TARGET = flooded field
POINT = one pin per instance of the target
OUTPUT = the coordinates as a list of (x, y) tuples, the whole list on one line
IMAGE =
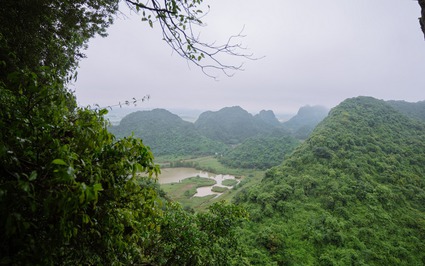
[(175, 175)]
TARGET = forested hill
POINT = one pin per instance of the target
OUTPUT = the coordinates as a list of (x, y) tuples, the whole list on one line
[(233, 125), (413, 110), (267, 117), (307, 118), (166, 133), (260, 152), (352, 194)]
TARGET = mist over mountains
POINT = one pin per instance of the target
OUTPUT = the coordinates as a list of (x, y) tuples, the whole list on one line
[(231, 133), (166, 133), (232, 125), (218, 132), (223, 119), (302, 124)]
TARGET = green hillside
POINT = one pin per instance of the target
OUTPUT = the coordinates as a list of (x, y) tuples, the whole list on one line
[(213, 133), (166, 134), (261, 152), (232, 125), (414, 110), (307, 118), (352, 194), (267, 117)]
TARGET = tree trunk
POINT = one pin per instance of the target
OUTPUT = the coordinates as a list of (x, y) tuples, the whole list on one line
[(422, 18)]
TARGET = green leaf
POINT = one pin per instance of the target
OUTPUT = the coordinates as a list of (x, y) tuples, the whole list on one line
[(103, 112), (33, 176), (86, 219), (59, 162), (98, 187)]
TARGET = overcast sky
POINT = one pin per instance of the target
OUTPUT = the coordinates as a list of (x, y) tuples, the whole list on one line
[(315, 53)]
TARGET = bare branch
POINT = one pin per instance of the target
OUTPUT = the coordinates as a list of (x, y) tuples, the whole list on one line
[(422, 17), (178, 20), (143, 6), (132, 102)]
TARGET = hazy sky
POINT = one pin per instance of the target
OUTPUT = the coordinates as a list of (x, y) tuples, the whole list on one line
[(316, 53)]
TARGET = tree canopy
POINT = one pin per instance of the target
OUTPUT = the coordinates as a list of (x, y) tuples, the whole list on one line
[(260, 152)]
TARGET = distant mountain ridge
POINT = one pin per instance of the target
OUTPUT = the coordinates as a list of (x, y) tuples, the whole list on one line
[(303, 123), (413, 110), (166, 133), (233, 125), (268, 117)]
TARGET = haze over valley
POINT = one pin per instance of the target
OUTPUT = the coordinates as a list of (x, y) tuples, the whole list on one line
[(203, 133)]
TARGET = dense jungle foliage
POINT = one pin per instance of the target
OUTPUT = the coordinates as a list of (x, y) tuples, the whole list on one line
[(352, 194), (413, 110), (261, 152)]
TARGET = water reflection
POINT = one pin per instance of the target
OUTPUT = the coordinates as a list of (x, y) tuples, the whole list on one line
[(205, 191), (175, 175)]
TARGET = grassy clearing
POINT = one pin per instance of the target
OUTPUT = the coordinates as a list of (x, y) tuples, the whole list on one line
[(183, 192), (186, 188), (211, 164), (200, 181), (219, 189), (229, 182)]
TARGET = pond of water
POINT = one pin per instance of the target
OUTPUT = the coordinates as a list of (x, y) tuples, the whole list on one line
[(174, 175)]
